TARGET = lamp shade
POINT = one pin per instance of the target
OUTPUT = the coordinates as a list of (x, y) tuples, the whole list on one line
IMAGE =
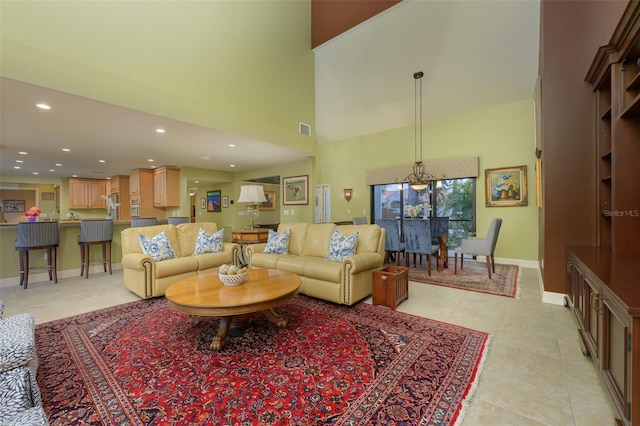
[(252, 194)]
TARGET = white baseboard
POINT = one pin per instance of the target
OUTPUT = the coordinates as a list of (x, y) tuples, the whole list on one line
[(44, 276)]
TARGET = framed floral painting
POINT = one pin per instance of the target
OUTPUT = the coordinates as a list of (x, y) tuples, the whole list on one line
[(295, 190), (506, 187)]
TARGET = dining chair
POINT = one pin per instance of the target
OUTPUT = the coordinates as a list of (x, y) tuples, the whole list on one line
[(359, 220), (177, 220), (38, 236), (392, 242), (93, 232), (479, 246), (417, 240), (143, 221)]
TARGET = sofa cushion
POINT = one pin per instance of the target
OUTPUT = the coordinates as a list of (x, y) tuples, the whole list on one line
[(298, 235), (158, 247), (187, 234), (341, 246), (317, 240), (278, 243), (16, 341), (208, 243), (368, 236)]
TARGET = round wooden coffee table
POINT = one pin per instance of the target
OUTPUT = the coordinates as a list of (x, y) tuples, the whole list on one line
[(206, 296)]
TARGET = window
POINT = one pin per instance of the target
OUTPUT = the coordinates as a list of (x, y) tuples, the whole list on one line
[(454, 198)]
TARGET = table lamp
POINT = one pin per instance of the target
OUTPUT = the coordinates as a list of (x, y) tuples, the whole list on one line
[(252, 195)]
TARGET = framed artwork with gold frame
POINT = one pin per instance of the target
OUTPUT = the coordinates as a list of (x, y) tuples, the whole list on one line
[(506, 187)]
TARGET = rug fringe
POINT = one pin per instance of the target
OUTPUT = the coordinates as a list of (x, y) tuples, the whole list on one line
[(518, 281), (464, 404)]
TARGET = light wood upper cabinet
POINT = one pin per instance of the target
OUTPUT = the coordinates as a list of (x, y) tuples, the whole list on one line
[(87, 194), (166, 187), (134, 182)]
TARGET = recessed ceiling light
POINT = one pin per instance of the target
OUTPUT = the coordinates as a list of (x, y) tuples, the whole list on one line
[(196, 181), (154, 166), (159, 130), (19, 161), (66, 149), (232, 165), (36, 173), (22, 153), (58, 165), (17, 167), (208, 157), (150, 160), (43, 106), (232, 145), (74, 175), (52, 170), (101, 161)]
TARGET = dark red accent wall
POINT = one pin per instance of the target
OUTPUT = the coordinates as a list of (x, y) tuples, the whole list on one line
[(571, 32), (330, 18)]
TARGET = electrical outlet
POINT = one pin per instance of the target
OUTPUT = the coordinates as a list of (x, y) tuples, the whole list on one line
[(364, 211), (285, 212), (348, 211), (293, 212), (45, 255)]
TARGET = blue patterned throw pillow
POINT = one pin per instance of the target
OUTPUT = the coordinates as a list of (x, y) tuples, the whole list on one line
[(208, 243), (341, 246), (158, 247), (278, 243)]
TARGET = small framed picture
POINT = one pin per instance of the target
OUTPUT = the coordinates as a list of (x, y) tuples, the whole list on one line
[(270, 204), (47, 195), (225, 201), (203, 203), (13, 206), (295, 190), (214, 201)]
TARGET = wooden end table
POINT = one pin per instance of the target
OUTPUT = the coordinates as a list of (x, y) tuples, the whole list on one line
[(206, 296)]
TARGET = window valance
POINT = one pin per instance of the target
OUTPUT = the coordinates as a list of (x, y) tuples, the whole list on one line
[(445, 168)]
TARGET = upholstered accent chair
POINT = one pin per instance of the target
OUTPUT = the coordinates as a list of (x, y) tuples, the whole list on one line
[(177, 220), (94, 232), (38, 236), (143, 221), (479, 246), (392, 242), (417, 240), (20, 401)]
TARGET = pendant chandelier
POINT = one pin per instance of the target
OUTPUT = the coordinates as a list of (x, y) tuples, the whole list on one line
[(419, 178)]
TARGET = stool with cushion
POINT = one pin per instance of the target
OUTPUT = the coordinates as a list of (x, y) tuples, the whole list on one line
[(143, 221), (177, 220), (38, 236), (95, 231), (20, 401)]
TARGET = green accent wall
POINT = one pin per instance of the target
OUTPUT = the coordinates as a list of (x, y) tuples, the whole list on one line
[(501, 136)]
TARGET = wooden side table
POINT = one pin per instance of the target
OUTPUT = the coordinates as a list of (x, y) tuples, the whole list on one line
[(390, 286), (246, 237)]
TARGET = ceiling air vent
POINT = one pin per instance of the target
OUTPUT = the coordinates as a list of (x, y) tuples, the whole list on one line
[(305, 129)]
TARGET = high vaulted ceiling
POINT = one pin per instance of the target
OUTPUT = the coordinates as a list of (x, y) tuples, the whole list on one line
[(475, 54)]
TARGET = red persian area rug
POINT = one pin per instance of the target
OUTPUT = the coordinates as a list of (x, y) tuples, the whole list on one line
[(474, 277), (143, 363)]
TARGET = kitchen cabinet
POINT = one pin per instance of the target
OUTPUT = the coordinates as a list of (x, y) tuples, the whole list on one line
[(166, 187), (141, 194), (87, 194), (119, 188)]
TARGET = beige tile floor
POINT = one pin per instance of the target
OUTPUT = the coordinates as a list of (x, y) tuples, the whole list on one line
[(534, 373)]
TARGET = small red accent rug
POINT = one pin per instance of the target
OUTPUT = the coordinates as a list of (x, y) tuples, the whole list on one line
[(142, 363), (504, 282)]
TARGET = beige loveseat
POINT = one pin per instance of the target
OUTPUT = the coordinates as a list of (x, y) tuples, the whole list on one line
[(344, 282), (148, 278)]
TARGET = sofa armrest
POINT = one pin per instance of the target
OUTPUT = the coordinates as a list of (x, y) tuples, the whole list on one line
[(253, 248), (136, 260), (363, 261)]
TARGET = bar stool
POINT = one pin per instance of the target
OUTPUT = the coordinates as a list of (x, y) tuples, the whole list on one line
[(144, 221), (38, 236), (177, 220), (97, 231)]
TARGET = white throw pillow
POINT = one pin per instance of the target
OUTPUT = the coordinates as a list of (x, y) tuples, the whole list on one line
[(208, 243), (341, 246), (158, 247), (278, 243)]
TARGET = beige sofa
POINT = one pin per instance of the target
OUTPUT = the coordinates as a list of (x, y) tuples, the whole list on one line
[(344, 282), (148, 278)]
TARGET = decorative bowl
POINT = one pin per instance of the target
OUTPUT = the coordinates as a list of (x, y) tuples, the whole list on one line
[(231, 280)]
